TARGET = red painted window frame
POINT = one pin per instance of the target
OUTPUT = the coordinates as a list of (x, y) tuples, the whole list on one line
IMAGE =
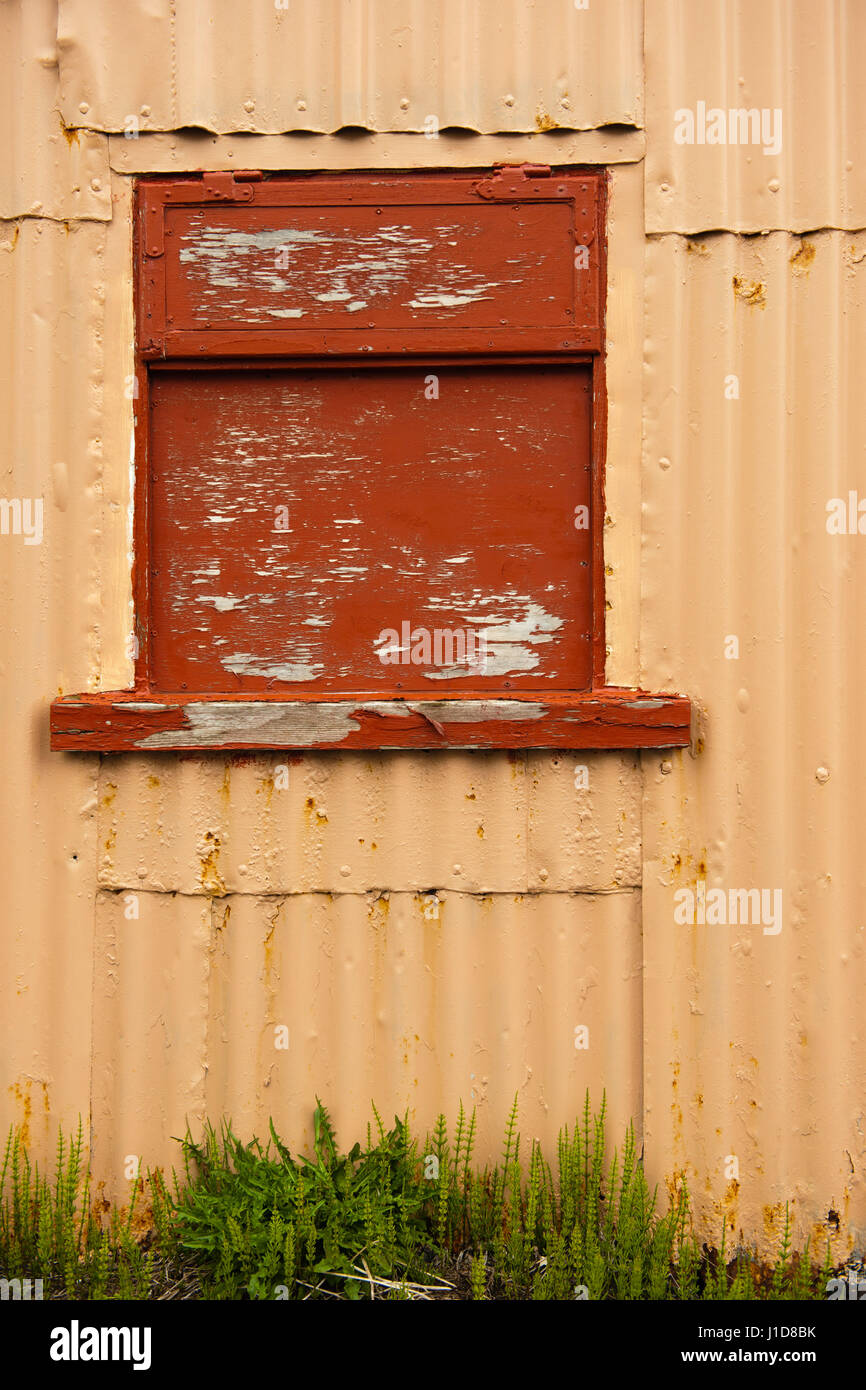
[(143, 718)]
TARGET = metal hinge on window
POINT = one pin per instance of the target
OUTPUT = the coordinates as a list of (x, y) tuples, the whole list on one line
[(230, 185), (221, 186), (510, 180)]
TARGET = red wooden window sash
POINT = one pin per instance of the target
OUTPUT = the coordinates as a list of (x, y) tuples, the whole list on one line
[(146, 719)]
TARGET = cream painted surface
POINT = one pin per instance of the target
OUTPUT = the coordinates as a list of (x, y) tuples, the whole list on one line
[(484, 822), (257, 904), (802, 59), (52, 316), (188, 997), (47, 171), (323, 65), (178, 151), (764, 1052), (622, 481)]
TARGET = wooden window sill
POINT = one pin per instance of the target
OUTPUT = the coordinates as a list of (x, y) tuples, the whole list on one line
[(608, 717)]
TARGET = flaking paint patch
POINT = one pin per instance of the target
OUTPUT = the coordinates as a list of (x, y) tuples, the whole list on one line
[(306, 724), (222, 603), (508, 641), (244, 664), (377, 263), (751, 292)]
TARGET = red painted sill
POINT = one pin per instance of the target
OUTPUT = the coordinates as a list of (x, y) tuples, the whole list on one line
[(609, 717)]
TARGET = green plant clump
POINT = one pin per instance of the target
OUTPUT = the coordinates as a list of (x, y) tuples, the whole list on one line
[(385, 1220)]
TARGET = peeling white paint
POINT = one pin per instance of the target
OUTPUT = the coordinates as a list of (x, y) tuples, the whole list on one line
[(476, 711), (442, 300), (357, 267), (245, 664), (222, 603), (509, 641), (303, 724)]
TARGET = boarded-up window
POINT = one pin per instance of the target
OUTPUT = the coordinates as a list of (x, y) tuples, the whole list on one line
[(369, 450)]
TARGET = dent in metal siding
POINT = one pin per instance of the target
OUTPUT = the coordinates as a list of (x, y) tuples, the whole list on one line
[(322, 65), (48, 169), (766, 1059), (802, 59)]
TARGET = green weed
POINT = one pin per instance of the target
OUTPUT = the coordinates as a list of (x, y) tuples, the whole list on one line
[(384, 1220)]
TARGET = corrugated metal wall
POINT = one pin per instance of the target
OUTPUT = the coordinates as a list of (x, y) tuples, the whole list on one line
[(431, 927)]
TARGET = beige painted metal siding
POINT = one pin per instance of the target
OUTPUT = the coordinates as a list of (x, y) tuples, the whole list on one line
[(383, 1001), (473, 823), (765, 1034), (322, 65), (434, 927), (802, 59), (47, 170)]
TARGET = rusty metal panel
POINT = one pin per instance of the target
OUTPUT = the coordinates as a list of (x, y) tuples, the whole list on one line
[(322, 65), (481, 822), (752, 600), (755, 118), (48, 169)]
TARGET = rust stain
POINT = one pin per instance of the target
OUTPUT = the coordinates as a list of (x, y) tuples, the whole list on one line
[(312, 811), (803, 258), (544, 121), (676, 1109), (70, 133), (22, 1092), (751, 292), (210, 877), (773, 1215)]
